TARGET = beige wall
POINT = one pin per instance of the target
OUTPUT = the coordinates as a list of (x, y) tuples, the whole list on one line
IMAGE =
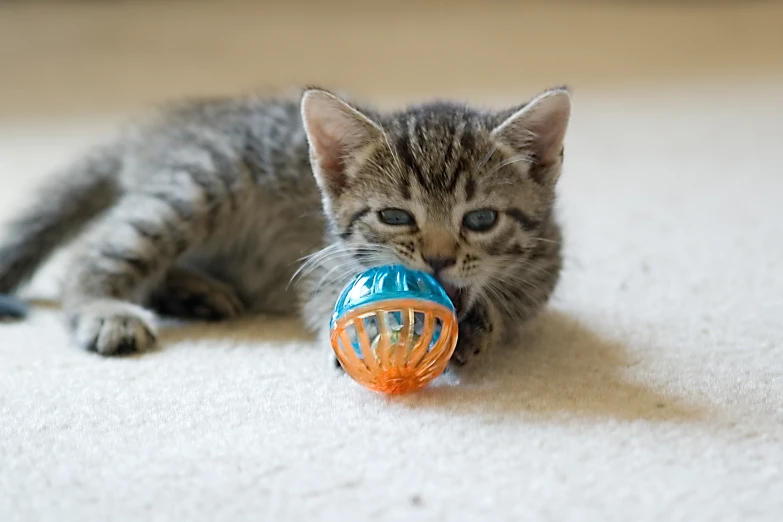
[(71, 56)]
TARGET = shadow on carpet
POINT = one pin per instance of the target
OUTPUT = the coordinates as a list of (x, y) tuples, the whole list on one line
[(564, 369)]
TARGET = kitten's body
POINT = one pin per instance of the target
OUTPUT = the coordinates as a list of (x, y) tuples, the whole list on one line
[(208, 210)]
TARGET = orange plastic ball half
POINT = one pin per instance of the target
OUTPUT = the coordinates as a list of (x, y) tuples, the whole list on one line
[(396, 361)]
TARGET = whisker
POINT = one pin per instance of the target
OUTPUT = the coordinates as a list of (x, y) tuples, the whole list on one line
[(499, 300), (345, 275), (521, 289), (332, 253), (391, 150), (486, 158), (511, 161), (505, 266), (510, 302)]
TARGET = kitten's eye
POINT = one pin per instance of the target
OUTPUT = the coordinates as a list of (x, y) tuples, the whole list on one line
[(480, 220), (396, 217)]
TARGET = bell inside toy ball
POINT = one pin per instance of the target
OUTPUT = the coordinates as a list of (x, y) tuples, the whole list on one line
[(394, 329)]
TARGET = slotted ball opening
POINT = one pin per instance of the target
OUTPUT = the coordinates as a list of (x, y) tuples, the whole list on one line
[(370, 325), (353, 339)]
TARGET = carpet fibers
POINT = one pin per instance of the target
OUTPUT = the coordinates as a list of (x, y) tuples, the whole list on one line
[(651, 389)]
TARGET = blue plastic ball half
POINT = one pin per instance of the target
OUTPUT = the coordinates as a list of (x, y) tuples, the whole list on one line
[(387, 283)]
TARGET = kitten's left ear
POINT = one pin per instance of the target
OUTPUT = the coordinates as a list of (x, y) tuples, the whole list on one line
[(336, 132), (538, 129)]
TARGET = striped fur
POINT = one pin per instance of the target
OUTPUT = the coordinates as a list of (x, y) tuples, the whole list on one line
[(209, 209)]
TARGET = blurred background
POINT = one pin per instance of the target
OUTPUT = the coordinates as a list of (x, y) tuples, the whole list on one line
[(70, 57)]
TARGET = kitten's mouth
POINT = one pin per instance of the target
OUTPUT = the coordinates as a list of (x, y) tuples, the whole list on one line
[(458, 296)]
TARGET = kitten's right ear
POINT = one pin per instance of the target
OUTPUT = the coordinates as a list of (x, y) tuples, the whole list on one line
[(336, 132)]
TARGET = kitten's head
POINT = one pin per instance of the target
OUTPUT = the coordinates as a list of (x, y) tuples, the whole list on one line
[(440, 187)]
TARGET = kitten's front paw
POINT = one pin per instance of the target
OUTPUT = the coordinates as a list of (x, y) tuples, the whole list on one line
[(113, 328), (472, 341), (476, 335)]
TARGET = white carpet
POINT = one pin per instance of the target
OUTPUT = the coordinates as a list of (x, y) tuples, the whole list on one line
[(651, 390)]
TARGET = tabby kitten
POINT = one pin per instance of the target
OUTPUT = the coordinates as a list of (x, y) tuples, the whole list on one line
[(221, 207)]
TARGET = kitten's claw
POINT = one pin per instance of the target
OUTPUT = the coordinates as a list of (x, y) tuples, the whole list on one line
[(110, 328)]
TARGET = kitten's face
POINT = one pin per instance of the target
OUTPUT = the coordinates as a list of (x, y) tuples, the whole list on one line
[(442, 189)]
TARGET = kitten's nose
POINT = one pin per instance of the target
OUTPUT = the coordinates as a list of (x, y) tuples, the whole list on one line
[(438, 263)]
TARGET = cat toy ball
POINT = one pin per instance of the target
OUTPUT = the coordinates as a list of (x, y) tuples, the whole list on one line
[(394, 329)]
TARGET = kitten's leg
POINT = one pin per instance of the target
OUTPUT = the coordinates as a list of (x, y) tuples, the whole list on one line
[(123, 257), (479, 330), (492, 322), (190, 294)]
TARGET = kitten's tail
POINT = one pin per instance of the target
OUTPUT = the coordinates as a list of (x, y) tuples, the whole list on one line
[(64, 206)]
